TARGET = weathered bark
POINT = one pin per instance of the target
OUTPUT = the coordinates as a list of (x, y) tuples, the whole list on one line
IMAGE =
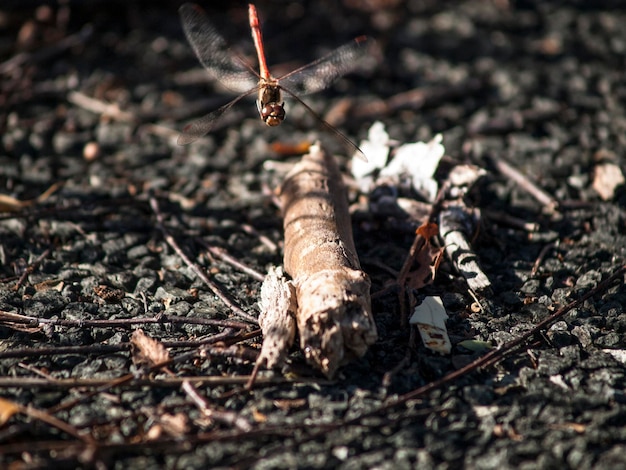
[(334, 314)]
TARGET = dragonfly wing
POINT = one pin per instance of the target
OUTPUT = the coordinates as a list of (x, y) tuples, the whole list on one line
[(359, 153), (321, 73), (196, 129), (213, 52)]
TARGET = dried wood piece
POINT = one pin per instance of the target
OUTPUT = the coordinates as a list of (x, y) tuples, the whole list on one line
[(457, 224), (454, 221), (277, 317), (334, 315)]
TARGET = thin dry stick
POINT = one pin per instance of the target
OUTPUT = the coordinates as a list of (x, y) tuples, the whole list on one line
[(226, 417), (208, 380), (196, 269), (100, 107), (334, 314), (542, 254), (249, 229), (222, 254), (514, 222), (418, 244), (550, 204), (31, 268), (9, 318), (57, 423), (113, 348)]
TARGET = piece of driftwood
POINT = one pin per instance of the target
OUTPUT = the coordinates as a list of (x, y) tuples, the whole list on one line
[(457, 224), (277, 318), (334, 316)]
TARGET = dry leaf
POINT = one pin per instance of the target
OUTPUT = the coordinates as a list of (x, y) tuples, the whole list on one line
[(258, 416), (286, 149), (50, 284), (7, 410), (606, 178), (426, 260), (289, 404), (175, 425), (109, 294), (147, 351), (154, 433)]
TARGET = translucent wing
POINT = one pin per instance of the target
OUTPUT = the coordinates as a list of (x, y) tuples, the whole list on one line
[(319, 74), (206, 123), (212, 51), (358, 152)]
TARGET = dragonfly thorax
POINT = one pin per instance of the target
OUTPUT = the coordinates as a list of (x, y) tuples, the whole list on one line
[(269, 103)]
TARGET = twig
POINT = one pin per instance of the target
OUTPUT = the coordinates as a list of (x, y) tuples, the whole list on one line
[(55, 350), (100, 107), (113, 348), (57, 423), (8, 317), (195, 268), (514, 222), (550, 204), (222, 254), (208, 380), (542, 254), (249, 229), (513, 120), (34, 265), (226, 417)]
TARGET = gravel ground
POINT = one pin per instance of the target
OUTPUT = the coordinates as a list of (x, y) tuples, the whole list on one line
[(92, 97)]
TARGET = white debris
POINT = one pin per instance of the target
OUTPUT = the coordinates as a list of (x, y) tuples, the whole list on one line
[(415, 161), (418, 161), (376, 149), (430, 317)]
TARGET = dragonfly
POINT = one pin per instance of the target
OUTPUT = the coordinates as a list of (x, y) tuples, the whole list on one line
[(238, 76)]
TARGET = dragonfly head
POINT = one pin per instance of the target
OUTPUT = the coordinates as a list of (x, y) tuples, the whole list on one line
[(272, 114)]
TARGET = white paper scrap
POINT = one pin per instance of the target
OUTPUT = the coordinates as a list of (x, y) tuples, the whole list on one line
[(375, 148), (430, 317), (419, 161)]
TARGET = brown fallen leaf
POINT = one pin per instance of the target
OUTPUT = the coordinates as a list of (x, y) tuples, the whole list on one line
[(109, 294), (607, 176), (7, 410), (426, 258), (147, 351)]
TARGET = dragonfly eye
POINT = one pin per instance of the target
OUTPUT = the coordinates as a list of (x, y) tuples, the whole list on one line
[(273, 114)]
